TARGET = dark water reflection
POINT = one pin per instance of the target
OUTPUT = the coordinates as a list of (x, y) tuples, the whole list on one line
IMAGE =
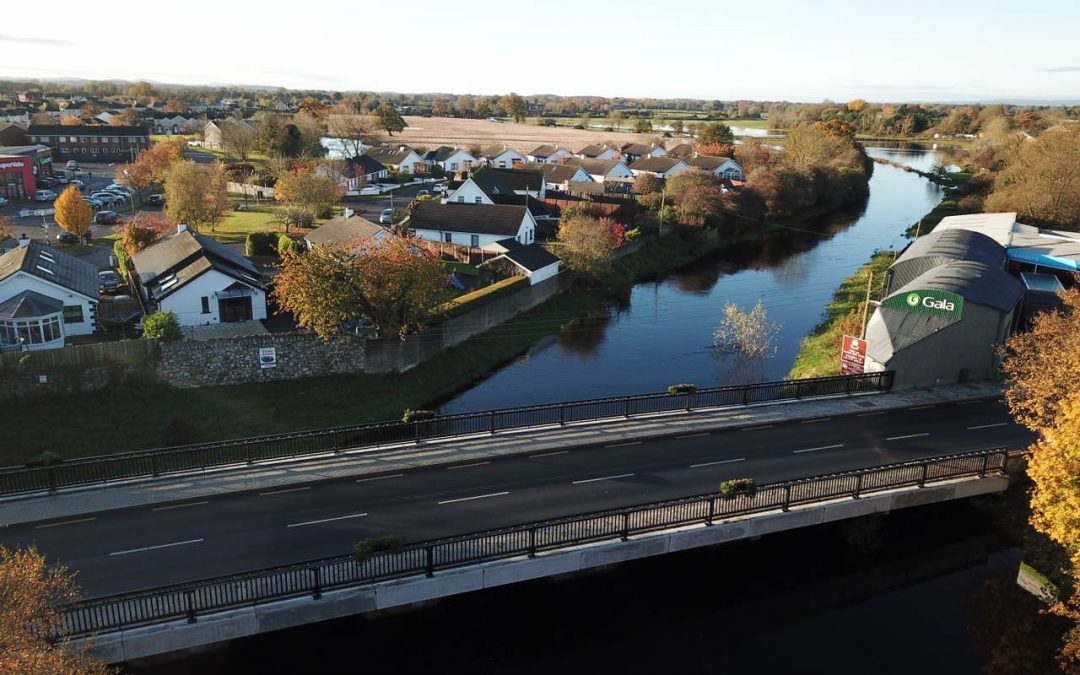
[(663, 333)]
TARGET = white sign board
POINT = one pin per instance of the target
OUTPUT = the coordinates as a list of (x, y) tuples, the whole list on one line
[(268, 357)]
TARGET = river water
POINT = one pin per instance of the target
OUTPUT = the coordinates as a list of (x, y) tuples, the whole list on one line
[(664, 333)]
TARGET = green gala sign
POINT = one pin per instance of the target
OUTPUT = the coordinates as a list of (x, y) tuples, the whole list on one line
[(938, 303)]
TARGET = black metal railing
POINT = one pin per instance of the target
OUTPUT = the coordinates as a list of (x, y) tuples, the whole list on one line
[(313, 577), (143, 463)]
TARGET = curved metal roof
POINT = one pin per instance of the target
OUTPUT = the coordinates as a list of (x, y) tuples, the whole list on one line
[(941, 247)]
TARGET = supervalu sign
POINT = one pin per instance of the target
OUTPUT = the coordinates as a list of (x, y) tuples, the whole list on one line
[(938, 303)]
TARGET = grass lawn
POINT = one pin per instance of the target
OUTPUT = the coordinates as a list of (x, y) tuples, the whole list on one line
[(237, 225), (753, 124), (819, 354), (135, 417), (161, 138)]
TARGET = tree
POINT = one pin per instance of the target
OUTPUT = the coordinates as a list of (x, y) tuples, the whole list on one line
[(647, 183), (514, 106), (698, 204), (303, 188), (5, 228), (589, 243), (31, 592), (151, 165), (176, 105), (686, 180), (1041, 180), (237, 138), (751, 334), (615, 119), (441, 107), (196, 194), (312, 129), (141, 231), (715, 132), (268, 130), (313, 107), (321, 288), (402, 284), (677, 127), (73, 213), (482, 107), (351, 133), (125, 118), (162, 325), (390, 120), (642, 126)]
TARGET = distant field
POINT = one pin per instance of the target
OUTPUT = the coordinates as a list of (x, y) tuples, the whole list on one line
[(432, 131)]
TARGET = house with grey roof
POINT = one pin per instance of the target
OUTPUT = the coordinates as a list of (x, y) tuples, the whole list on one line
[(46, 297), (450, 159), (200, 280), (559, 176), (472, 225), (549, 154), (661, 167), (532, 261), (504, 157), (601, 170), (721, 167), (401, 158), (598, 151), (351, 230)]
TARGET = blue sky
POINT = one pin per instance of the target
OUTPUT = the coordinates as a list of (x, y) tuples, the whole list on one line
[(781, 49)]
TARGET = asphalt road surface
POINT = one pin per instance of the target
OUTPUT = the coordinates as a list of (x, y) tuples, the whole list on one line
[(139, 548)]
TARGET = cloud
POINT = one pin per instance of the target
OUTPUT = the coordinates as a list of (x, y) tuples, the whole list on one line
[(35, 40), (1062, 69)]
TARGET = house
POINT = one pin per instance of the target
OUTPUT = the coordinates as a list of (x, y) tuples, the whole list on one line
[(597, 151), (46, 296), (212, 131), (402, 159), (358, 172), (91, 143), (200, 280), (661, 167), (550, 154), (349, 229), (473, 225), (175, 124), (487, 185), (559, 176), (504, 157), (532, 260), (683, 151), (721, 167), (606, 169), (632, 152), (450, 159), (12, 134)]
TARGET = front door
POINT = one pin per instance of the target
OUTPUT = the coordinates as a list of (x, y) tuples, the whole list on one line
[(232, 310)]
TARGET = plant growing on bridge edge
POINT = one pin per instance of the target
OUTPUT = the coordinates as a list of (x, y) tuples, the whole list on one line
[(685, 388), (364, 549), (730, 489), (411, 415)]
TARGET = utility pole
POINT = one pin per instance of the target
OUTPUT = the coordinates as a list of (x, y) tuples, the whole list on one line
[(866, 307), (918, 228), (663, 195)]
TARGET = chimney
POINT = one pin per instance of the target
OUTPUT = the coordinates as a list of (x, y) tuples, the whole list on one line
[(401, 148), (181, 228), (349, 213), (24, 240)]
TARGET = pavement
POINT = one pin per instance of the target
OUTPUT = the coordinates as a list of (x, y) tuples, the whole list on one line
[(231, 522)]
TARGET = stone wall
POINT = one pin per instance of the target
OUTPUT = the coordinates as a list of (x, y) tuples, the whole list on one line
[(197, 363)]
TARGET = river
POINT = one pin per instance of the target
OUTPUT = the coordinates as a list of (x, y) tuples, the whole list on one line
[(663, 334)]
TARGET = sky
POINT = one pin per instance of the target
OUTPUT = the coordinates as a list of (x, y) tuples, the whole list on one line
[(919, 50)]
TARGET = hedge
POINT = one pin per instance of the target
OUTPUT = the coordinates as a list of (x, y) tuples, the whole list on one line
[(363, 550), (411, 415), (261, 243), (478, 298), (682, 389), (730, 489)]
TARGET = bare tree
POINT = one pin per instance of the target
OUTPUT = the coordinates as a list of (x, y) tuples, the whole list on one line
[(351, 133), (237, 138)]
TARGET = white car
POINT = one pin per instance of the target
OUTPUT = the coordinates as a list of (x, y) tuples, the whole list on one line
[(44, 196), (386, 217), (438, 188), (3, 201)]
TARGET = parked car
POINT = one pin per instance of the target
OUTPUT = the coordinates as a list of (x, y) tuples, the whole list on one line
[(67, 238), (109, 281), (119, 189), (77, 183), (155, 200), (438, 188), (45, 196), (106, 218), (3, 201), (94, 202), (72, 165), (62, 180), (106, 198), (46, 182), (423, 193), (386, 217)]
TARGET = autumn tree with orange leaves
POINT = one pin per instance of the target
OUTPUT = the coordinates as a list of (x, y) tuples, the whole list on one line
[(151, 166), (31, 625), (1042, 368), (73, 213)]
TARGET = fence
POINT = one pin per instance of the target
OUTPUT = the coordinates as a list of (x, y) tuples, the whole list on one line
[(316, 576), (144, 463), (124, 352)]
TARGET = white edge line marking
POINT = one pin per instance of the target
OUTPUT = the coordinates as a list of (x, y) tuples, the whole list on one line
[(824, 447), (281, 492), (550, 454), (179, 506), (900, 438), (987, 426), (66, 522), (466, 466), (820, 419), (593, 480), (393, 475), (921, 407), (327, 520), (151, 548), (760, 426), (703, 433), (871, 414), (722, 461), (619, 445), (469, 499)]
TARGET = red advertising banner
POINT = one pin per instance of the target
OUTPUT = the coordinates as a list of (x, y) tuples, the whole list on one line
[(853, 356)]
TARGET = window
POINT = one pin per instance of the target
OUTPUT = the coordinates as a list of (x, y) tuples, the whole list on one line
[(448, 237), (94, 139), (31, 331), (205, 305), (477, 200), (474, 240), (461, 198), (73, 314)]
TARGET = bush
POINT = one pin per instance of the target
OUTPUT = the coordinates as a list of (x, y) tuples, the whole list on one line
[(49, 457), (366, 548), (411, 415), (162, 326), (682, 389), (285, 243), (547, 122), (731, 489), (326, 213), (121, 258), (633, 234), (579, 126), (261, 243), (180, 432)]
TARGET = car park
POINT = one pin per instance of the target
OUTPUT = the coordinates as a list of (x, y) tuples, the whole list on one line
[(106, 198), (106, 218), (386, 217), (67, 238), (44, 196), (109, 281)]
